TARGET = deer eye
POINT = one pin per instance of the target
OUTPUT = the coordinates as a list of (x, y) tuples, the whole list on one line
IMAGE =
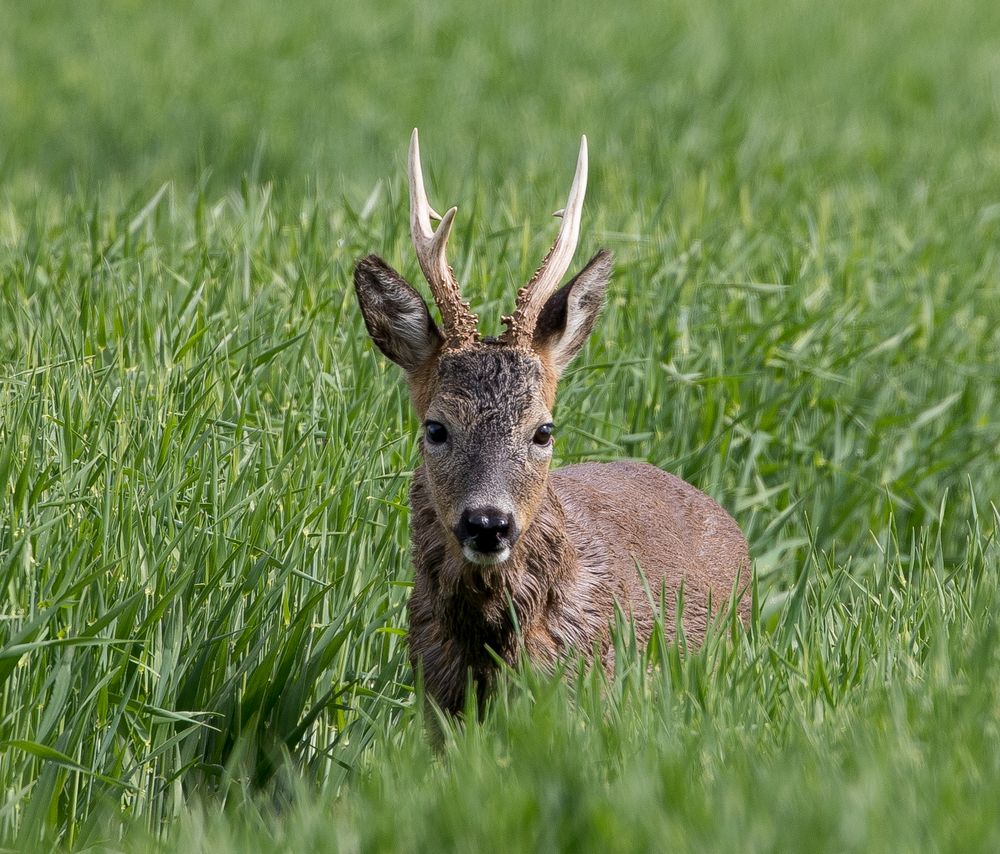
[(436, 432), (543, 435)]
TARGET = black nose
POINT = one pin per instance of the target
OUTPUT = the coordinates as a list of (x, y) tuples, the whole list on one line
[(487, 528)]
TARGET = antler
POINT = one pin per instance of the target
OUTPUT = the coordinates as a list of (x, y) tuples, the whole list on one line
[(460, 324), (531, 298)]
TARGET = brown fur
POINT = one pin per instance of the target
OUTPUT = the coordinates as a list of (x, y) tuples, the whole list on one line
[(589, 537), (587, 549)]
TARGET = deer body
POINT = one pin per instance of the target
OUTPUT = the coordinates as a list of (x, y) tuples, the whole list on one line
[(507, 553), (578, 561)]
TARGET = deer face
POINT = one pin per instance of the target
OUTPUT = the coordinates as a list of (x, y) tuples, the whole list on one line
[(485, 406), (487, 444)]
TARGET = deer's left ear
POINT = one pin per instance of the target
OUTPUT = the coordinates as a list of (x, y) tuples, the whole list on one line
[(570, 313)]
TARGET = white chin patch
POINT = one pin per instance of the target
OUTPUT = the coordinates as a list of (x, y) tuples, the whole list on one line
[(484, 559)]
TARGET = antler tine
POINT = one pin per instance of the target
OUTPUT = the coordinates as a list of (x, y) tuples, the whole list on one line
[(460, 324), (532, 297)]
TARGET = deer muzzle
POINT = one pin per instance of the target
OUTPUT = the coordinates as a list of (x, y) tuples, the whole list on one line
[(486, 534)]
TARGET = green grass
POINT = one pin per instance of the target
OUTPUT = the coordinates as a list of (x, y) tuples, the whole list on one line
[(204, 463)]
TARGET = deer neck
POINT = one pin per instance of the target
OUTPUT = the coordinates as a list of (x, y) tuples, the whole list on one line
[(492, 606)]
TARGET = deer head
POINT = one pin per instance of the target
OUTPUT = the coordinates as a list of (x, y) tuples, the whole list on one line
[(486, 403)]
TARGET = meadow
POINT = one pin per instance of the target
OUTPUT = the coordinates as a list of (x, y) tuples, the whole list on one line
[(204, 462)]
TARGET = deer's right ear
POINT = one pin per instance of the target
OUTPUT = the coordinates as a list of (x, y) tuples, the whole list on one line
[(395, 314)]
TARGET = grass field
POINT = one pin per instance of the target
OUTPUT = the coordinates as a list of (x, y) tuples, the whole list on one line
[(204, 462)]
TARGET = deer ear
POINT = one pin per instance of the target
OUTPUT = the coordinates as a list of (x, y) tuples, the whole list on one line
[(395, 314), (570, 313)]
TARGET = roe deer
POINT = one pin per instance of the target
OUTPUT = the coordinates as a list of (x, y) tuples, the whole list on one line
[(509, 556)]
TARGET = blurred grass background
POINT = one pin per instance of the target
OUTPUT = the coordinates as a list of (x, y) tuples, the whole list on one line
[(203, 463), (326, 91)]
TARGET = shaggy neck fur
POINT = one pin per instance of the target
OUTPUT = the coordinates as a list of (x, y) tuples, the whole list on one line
[(460, 612)]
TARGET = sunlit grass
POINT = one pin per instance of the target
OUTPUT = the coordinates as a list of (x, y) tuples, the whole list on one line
[(204, 463)]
